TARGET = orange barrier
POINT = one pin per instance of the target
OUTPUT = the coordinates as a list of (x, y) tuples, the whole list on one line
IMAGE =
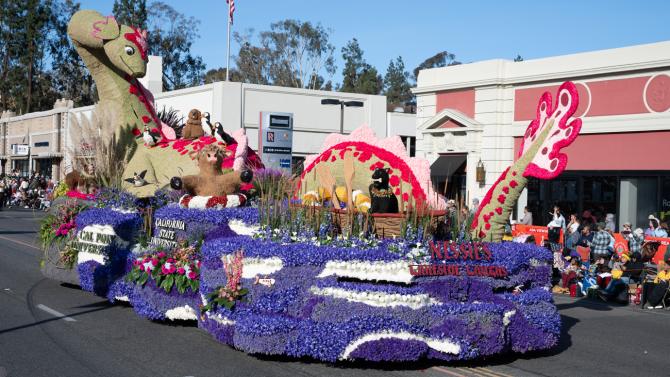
[(620, 243), (541, 233), (662, 248)]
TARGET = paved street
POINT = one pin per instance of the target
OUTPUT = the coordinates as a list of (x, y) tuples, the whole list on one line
[(96, 338)]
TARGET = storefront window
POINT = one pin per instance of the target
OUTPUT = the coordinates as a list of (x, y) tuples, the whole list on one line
[(44, 166), (664, 212), (638, 200), (600, 196), (22, 167)]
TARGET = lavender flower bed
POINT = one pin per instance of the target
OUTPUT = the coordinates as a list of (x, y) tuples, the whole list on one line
[(125, 224), (153, 303), (329, 318), (307, 312), (247, 215)]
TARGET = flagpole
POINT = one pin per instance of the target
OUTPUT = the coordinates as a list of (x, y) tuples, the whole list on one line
[(228, 54)]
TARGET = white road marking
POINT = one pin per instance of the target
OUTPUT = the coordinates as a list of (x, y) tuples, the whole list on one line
[(55, 313)]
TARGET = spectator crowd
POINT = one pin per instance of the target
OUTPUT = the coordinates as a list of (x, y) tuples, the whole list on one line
[(34, 191), (586, 262)]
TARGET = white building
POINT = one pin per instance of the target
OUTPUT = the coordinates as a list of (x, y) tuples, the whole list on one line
[(479, 111)]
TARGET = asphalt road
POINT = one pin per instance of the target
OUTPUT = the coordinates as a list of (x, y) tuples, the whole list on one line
[(98, 339)]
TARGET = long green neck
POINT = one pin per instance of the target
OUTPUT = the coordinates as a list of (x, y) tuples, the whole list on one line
[(493, 214), (112, 88)]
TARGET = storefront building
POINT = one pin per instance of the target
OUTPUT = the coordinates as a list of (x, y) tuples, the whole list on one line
[(35, 142), (475, 114)]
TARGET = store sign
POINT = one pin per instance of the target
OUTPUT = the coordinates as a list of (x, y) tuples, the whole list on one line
[(20, 149), (448, 258), (165, 232)]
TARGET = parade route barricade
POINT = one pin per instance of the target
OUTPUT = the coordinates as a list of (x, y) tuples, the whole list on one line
[(541, 233)]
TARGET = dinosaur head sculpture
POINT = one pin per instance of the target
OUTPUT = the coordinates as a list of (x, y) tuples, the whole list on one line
[(121, 47)]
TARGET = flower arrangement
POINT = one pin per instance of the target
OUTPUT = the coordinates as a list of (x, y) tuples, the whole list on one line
[(58, 229), (228, 294), (179, 269), (59, 225)]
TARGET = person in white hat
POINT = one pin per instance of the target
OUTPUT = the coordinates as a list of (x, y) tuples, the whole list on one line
[(653, 224)]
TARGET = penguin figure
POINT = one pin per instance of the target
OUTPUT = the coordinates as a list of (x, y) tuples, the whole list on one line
[(206, 124), (148, 138), (221, 135)]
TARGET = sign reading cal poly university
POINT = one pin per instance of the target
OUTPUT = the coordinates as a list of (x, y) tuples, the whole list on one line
[(94, 240), (165, 233), (447, 259)]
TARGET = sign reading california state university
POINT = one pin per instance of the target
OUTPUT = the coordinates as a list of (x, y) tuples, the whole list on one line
[(447, 258), (165, 232)]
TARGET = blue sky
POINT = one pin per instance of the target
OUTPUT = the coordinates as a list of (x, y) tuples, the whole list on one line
[(415, 30)]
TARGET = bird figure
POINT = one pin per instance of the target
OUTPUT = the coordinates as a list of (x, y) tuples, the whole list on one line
[(206, 124), (149, 138), (221, 135), (138, 179)]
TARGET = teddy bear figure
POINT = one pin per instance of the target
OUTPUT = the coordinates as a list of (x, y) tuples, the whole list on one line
[(193, 128), (211, 181)]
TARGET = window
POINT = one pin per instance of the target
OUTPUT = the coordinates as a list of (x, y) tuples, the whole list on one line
[(412, 144), (42, 144), (297, 164)]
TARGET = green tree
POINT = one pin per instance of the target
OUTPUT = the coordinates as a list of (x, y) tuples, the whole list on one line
[(131, 12), (441, 59), (292, 53), (70, 77), (358, 76), (171, 35), (24, 37), (396, 83)]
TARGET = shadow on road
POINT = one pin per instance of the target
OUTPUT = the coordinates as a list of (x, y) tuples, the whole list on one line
[(37, 323)]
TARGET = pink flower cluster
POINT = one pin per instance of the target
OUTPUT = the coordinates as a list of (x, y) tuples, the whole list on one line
[(233, 266), (168, 265), (64, 229)]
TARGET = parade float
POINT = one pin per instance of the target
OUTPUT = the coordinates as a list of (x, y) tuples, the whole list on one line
[(355, 259)]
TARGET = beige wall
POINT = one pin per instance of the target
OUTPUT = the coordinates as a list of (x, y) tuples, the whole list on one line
[(38, 127)]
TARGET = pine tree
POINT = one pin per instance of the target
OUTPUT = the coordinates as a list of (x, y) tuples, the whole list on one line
[(70, 77), (358, 76), (396, 83)]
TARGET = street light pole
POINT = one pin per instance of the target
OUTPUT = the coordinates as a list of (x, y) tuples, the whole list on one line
[(341, 118), (333, 101)]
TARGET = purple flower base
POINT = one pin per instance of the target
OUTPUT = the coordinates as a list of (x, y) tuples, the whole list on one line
[(480, 315), (152, 302), (391, 350)]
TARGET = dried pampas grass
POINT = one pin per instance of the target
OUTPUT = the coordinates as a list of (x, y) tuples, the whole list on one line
[(101, 143)]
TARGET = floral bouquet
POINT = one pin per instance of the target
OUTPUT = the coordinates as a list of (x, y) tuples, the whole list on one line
[(228, 294), (179, 269)]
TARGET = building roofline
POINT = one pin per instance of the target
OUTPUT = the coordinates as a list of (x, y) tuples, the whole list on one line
[(506, 72)]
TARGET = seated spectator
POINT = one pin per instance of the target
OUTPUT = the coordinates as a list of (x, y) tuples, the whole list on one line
[(586, 237), (635, 239), (572, 273), (572, 232), (609, 222), (600, 243), (653, 292), (653, 224), (662, 230), (527, 217), (628, 269)]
